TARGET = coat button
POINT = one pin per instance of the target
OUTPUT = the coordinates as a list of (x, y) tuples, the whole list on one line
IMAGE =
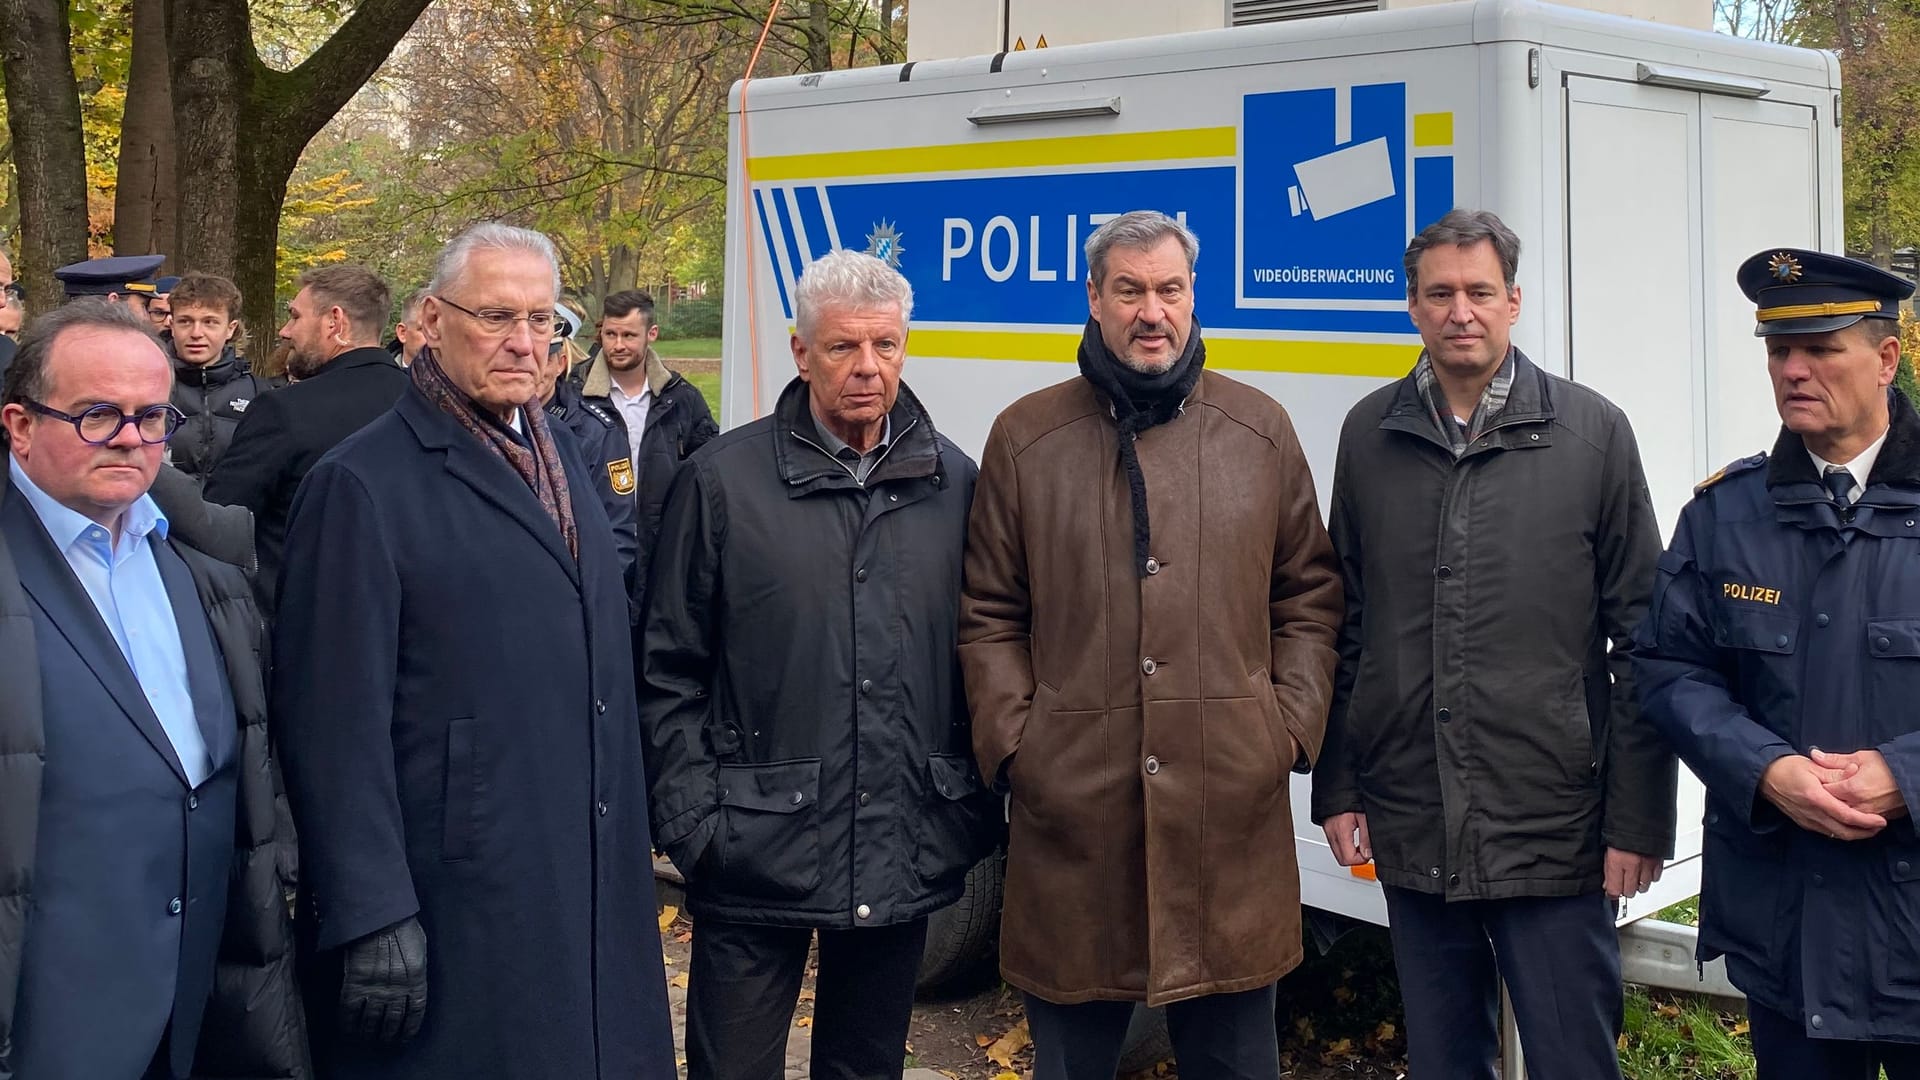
[(600, 706), (1821, 619), (1819, 880), (1453, 879), (863, 912), (890, 498), (799, 797), (1444, 573), (1883, 644), (1444, 715), (173, 906), (193, 802), (1435, 872), (1780, 641), (1153, 566), (1815, 1021), (860, 574), (866, 686), (866, 797), (1713, 817), (1149, 666), (1153, 765), (1902, 867), (600, 808)]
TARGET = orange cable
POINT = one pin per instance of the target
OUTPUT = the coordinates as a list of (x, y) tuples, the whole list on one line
[(746, 176)]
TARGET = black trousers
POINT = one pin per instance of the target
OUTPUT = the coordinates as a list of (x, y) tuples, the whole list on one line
[(1782, 1051), (1218, 1037), (1560, 958), (744, 982)]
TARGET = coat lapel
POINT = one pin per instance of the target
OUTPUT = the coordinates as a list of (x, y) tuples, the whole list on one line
[(46, 577), (493, 479), (204, 665)]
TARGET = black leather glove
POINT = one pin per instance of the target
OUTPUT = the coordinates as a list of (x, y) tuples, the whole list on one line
[(383, 989)]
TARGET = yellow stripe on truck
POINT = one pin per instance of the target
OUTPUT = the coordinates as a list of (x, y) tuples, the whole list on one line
[(1368, 359), (1179, 145)]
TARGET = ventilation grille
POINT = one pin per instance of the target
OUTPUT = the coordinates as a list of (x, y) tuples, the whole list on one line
[(1249, 12)]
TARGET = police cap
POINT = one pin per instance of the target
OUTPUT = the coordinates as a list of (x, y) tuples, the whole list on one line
[(164, 285), (115, 274), (1812, 292)]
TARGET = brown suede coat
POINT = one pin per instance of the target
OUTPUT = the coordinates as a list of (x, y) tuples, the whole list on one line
[(1151, 851)]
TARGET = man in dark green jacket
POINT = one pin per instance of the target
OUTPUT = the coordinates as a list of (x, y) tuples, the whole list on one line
[(1484, 750)]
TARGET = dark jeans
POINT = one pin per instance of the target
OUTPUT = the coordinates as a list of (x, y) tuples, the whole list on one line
[(1218, 1037), (745, 979), (1560, 958), (1783, 1052)]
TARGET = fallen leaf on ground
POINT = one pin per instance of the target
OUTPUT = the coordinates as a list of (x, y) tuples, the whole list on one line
[(1008, 1075), (805, 1021), (667, 915), (984, 1041), (1015, 1040), (806, 995), (679, 980)]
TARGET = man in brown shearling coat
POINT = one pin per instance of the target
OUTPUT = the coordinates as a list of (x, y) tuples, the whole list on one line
[(1147, 635)]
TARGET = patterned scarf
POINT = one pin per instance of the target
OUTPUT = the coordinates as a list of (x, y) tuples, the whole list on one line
[(539, 467), (1492, 400)]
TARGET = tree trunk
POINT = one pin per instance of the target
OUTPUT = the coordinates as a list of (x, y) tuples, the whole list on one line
[(143, 199), (241, 127), (819, 37), (43, 108)]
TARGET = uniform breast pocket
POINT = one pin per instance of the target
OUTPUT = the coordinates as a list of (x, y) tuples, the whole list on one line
[(1763, 641), (1893, 677)]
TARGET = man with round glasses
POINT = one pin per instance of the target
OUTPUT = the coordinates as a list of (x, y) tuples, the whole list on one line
[(133, 743)]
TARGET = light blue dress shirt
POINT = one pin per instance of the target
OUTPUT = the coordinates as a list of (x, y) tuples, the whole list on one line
[(126, 589)]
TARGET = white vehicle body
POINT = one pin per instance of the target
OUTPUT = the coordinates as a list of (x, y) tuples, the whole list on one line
[(1639, 164)]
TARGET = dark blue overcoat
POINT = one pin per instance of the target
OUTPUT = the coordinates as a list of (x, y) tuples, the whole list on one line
[(455, 709)]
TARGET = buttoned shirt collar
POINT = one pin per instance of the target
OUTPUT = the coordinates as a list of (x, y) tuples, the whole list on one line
[(68, 527), (1861, 466), (857, 463)]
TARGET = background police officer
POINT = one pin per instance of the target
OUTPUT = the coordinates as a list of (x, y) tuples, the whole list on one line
[(1781, 655), (126, 278)]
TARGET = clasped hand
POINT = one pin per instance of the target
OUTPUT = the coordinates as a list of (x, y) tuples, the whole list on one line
[(1844, 796)]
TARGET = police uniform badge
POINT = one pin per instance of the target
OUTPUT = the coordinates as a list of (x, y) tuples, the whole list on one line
[(620, 474)]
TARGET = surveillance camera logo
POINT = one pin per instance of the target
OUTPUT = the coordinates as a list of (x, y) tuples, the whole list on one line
[(884, 243), (1347, 179)]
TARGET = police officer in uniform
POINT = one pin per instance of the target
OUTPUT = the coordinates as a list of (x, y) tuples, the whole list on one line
[(1781, 656), (603, 443), (127, 278)]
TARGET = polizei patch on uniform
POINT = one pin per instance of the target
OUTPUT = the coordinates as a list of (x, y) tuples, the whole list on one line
[(620, 474), (1755, 593)]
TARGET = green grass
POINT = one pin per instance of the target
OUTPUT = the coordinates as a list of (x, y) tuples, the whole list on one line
[(709, 385), (1681, 1037), (696, 348)]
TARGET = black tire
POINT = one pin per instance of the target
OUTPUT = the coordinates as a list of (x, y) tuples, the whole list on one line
[(1148, 1043), (963, 940)]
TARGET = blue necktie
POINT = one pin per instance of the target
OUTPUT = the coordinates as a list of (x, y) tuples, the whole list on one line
[(1839, 482)]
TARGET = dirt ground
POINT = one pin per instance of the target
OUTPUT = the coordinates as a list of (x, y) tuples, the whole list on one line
[(1337, 1023)]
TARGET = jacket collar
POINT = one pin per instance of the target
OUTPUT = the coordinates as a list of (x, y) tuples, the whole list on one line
[(806, 466), (485, 473), (596, 379), (365, 356), (1898, 464), (1529, 401), (227, 367)]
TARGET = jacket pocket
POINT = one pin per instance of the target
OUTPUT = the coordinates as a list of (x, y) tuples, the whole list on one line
[(770, 829), (1894, 928), (1893, 678), (1276, 724), (957, 824), (462, 790), (1745, 910)]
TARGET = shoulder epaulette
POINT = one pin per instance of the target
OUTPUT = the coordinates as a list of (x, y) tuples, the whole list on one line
[(598, 412), (1745, 464)]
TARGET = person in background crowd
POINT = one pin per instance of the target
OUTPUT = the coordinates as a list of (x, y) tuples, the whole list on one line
[(454, 698), (1781, 655), (1485, 750), (805, 721), (137, 941), (127, 279), (1147, 630), (663, 416), (160, 305), (406, 332), (213, 387), (344, 380), (13, 315), (601, 438)]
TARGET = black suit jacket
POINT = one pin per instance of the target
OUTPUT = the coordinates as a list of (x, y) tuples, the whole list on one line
[(286, 431)]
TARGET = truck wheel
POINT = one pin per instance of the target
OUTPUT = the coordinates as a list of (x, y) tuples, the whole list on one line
[(963, 939), (1147, 1043)]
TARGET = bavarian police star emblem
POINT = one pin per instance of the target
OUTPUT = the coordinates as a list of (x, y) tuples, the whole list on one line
[(884, 243), (1785, 268), (620, 475)]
